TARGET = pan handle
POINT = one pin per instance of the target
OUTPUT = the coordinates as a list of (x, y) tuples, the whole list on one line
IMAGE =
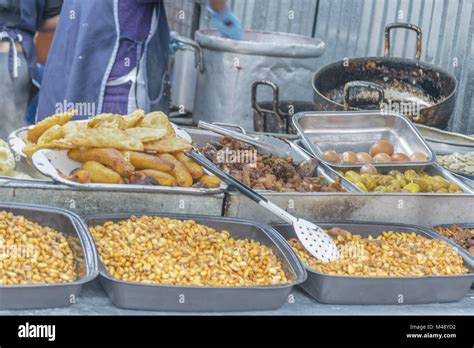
[(276, 96), (369, 86), (419, 37)]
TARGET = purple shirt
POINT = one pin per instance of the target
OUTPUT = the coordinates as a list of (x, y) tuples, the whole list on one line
[(135, 23)]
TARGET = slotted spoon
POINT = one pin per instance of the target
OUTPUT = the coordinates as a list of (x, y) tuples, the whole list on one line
[(313, 237)]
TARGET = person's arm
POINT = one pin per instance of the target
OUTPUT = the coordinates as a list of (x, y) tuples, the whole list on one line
[(49, 25), (51, 12), (217, 5), (224, 20)]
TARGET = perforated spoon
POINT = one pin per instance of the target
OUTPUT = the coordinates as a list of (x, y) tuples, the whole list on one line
[(313, 237)]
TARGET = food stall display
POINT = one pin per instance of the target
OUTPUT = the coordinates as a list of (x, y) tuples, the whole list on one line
[(156, 262), (135, 150), (148, 256), (459, 163), (368, 180), (152, 241), (46, 256), (183, 252), (462, 235), (379, 262), (267, 171)]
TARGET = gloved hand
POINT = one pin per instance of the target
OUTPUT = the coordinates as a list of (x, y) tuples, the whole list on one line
[(174, 44), (226, 22)]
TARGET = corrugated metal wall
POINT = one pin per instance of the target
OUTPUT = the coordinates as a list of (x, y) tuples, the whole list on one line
[(180, 15), (353, 28)]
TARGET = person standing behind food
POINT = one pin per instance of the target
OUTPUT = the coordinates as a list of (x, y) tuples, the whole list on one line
[(19, 23), (111, 56)]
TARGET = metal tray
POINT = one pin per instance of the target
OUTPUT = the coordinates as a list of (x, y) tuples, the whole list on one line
[(298, 154), (133, 295), (470, 226), (50, 162), (45, 169), (434, 169), (384, 290), (52, 295), (445, 143), (469, 177), (357, 131)]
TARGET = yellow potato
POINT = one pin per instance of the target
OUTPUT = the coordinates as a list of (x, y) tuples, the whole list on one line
[(100, 174), (181, 174), (193, 168), (210, 181), (145, 161), (111, 158), (81, 176), (37, 130), (163, 179)]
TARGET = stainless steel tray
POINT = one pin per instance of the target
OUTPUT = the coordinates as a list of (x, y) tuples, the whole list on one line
[(52, 295), (445, 143), (357, 131), (16, 142), (384, 290), (434, 169), (298, 154), (195, 299), (470, 226)]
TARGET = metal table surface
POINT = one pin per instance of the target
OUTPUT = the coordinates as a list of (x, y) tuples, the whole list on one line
[(94, 301), (88, 202)]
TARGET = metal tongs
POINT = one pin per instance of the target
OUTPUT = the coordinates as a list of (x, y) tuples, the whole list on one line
[(270, 144)]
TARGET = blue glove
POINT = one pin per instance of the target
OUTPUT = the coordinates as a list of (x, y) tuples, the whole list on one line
[(175, 45), (226, 22)]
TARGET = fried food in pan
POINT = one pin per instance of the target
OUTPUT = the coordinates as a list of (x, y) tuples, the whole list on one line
[(180, 173), (145, 161), (168, 144), (209, 181), (36, 131), (193, 168), (107, 137), (146, 134), (111, 158), (81, 176), (100, 174), (164, 179), (157, 120), (56, 132)]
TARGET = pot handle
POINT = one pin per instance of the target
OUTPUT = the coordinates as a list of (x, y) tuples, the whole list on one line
[(419, 37), (276, 96), (197, 50), (369, 86)]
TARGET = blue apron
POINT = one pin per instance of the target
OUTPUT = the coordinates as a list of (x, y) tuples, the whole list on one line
[(82, 56), (31, 17)]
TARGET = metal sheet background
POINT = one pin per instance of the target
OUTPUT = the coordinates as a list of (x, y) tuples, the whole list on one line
[(354, 28)]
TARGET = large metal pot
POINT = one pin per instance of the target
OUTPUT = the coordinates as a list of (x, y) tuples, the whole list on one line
[(228, 68), (422, 92)]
